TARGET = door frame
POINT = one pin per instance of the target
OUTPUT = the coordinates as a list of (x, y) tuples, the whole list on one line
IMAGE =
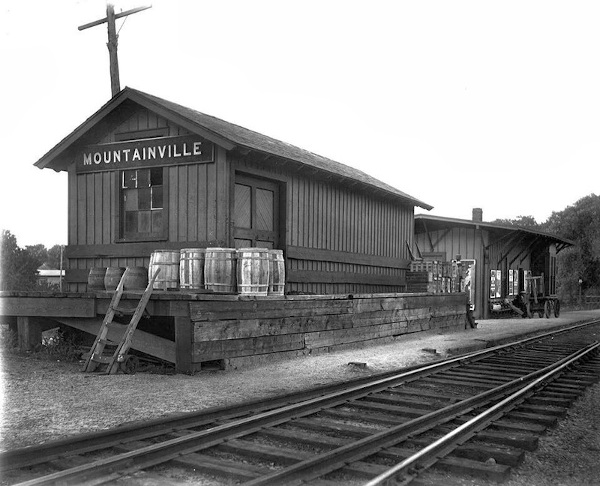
[(281, 184)]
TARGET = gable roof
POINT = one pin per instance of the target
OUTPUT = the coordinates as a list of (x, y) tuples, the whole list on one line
[(223, 133), (424, 222)]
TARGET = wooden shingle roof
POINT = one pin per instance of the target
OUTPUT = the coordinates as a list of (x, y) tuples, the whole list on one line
[(226, 134)]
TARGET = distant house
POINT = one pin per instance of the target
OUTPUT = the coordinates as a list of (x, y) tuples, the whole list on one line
[(49, 276)]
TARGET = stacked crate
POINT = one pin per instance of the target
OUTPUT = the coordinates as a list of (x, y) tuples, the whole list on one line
[(434, 277), (431, 270)]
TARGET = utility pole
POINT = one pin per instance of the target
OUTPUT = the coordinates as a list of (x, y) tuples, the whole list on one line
[(115, 83)]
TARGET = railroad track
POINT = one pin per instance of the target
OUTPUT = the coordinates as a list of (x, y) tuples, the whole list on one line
[(475, 414)]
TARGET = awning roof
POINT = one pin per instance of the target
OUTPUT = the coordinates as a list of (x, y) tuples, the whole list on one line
[(428, 222)]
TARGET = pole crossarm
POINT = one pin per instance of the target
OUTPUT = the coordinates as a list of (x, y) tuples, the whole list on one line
[(117, 16), (115, 83)]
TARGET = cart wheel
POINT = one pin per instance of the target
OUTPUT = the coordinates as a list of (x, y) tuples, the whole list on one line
[(528, 310), (129, 366), (556, 308), (547, 309)]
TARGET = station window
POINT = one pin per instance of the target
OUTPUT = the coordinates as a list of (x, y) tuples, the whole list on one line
[(142, 204)]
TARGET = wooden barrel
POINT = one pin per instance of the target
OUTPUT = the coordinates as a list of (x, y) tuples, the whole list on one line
[(136, 278), (96, 279), (220, 270), (253, 271), (113, 277), (191, 268), (276, 272), (168, 262)]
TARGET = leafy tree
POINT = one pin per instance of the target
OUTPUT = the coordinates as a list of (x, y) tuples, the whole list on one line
[(18, 267), (581, 224), (39, 252), (53, 257), (521, 221)]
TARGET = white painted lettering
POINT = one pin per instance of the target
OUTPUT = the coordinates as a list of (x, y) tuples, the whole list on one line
[(136, 155), (126, 152), (87, 159), (161, 151), (197, 147), (97, 158), (116, 156), (151, 153)]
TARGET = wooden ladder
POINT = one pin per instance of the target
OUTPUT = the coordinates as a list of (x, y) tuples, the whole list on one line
[(119, 358)]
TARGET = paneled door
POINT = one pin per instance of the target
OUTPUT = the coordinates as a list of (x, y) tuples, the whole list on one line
[(255, 213)]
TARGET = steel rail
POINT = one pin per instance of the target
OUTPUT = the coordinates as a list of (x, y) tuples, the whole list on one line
[(82, 443), (319, 465), (154, 454), (441, 447)]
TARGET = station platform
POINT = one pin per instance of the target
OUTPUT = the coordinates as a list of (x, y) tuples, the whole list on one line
[(405, 351)]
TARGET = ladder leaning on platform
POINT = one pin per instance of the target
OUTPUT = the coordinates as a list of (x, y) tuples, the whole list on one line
[(119, 356)]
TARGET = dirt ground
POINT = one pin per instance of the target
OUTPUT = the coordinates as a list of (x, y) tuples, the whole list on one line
[(44, 399)]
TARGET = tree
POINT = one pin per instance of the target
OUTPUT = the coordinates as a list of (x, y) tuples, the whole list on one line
[(581, 224), (520, 221), (39, 252), (18, 267), (53, 258)]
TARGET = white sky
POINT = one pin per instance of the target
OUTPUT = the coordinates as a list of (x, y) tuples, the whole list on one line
[(459, 104)]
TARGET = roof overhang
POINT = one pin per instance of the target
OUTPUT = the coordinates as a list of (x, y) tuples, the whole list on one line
[(427, 222), (227, 135)]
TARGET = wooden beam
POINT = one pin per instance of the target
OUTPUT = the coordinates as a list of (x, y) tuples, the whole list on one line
[(142, 341), (117, 16), (29, 331), (184, 342), (428, 235), (301, 253), (441, 236), (517, 237), (48, 306), (308, 276)]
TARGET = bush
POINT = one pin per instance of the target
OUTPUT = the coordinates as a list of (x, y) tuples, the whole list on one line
[(65, 345)]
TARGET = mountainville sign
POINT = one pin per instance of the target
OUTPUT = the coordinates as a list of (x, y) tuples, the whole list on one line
[(146, 152)]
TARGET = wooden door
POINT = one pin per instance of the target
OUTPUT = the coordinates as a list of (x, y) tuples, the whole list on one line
[(255, 213)]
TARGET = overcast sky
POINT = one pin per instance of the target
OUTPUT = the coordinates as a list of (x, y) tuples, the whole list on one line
[(459, 104)]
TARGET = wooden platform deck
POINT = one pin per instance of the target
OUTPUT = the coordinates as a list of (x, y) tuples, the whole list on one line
[(194, 330)]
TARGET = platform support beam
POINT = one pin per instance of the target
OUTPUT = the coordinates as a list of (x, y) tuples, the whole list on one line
[(29, 331), (184, 332)]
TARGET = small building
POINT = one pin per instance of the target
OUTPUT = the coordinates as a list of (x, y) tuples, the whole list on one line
[(499, 258), (49, 276), (145, 173)]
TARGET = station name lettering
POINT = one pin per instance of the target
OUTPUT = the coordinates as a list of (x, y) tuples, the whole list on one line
[(156, 152)]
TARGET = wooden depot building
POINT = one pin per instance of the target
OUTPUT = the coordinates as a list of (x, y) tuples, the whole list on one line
[(146, 174), (502, 260)]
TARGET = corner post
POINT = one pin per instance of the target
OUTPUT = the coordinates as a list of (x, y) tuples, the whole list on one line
[(184, 334)]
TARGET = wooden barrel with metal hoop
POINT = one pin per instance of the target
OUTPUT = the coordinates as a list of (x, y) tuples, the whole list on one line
[(136, 278), (220, 270), (191, 268), (113, 277), (276, 272), (96, 279), (253, 271), (168, 262)]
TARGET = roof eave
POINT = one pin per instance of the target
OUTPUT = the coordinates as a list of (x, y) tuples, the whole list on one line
[(479, 224), (52, 158)]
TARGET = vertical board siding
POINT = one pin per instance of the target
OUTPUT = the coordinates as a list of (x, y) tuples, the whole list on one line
[(324, 215), (190, 192)]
